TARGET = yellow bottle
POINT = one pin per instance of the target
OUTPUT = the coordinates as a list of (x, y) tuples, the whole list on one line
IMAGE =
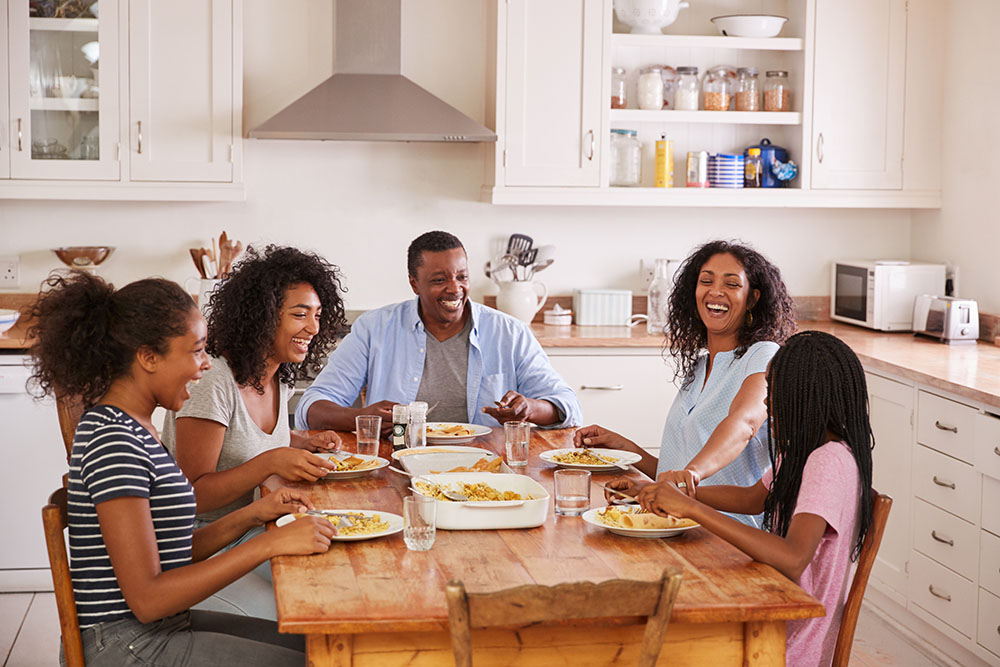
[(664, 172)]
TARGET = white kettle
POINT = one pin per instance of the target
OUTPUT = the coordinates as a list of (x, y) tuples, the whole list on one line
[(522, 298)]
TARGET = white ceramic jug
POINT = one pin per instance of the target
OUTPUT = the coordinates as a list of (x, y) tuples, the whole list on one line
[(205, 288), (521, 298)]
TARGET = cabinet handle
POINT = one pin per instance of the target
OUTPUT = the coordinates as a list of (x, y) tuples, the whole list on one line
[(592, 145), (139, 123), (19, 148), (945, 427), (950, 485), (996, 450), (950, 543), (819, 148), (938, 595), (606, 387)]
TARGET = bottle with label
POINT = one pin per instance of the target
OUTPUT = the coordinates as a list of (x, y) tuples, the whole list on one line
[(658, 298), (416, 427), (752, 166), (400, 418), (664, 173)]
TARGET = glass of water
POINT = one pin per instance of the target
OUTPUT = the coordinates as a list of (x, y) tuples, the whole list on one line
[(368, 428), (516, 437), (572, 489), (419, 519)]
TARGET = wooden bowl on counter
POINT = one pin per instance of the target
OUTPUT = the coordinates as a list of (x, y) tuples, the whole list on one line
[(83, 256)]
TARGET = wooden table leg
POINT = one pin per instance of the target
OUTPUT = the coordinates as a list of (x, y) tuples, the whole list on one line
[(764, 644), (329, 650)]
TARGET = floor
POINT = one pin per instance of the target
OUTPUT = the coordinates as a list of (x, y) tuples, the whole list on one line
[(29, 636)]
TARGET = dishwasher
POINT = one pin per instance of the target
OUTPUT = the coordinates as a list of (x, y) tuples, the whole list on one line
[(33, 463)]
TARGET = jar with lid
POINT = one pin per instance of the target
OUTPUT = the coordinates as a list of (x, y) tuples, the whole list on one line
[(686, 93), (747, 89), (416, 430), (619, 97), (777, 94), (715, 90), (626, 158), (650, 89)]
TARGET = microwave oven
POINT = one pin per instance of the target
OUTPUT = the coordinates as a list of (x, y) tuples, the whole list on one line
[(879, 294)]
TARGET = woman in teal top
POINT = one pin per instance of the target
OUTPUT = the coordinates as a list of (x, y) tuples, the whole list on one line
[(729, 312)]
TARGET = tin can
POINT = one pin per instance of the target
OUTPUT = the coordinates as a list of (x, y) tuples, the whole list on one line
[(664, 173), (697, 169)]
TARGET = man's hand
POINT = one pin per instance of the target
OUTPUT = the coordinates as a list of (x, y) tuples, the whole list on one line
[(382, 409), (513, 407)]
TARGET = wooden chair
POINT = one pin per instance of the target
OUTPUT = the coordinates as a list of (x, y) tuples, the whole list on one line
[(54, 520), (69, 409), (881, 504), (527, 605)]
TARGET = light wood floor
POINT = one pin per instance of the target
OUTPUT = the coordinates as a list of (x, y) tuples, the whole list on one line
[(29, 636)]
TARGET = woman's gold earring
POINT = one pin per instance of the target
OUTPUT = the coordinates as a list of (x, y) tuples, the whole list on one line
[(749, 318)]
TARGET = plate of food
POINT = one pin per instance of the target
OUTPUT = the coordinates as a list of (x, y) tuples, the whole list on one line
[(633, 521), (454, 433), (600, 460), (352, 465), (353, 524)]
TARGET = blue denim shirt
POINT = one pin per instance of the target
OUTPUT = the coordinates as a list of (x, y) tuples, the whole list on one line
[(385, 352)]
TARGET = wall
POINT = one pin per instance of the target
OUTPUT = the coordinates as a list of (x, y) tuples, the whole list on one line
[(361, 203)]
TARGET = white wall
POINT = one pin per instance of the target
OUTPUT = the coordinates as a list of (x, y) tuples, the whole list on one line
[(361, 203)]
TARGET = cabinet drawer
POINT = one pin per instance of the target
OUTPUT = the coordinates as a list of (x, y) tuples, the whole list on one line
[(946, 426), (947, 483), (946, 538), (989, 621), (989, 562), (938, 590), (991, 501), (988, 445)]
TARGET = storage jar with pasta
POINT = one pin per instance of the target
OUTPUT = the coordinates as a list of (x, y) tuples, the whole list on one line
[(715, 90), (777, 94)]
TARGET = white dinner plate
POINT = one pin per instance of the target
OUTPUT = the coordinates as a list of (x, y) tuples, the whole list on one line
[(415, 451), (590, 516), (351, 474), (619, 455), (477, 430), (394, 520)]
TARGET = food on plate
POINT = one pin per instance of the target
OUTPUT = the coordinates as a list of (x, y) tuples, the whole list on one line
[(474, 492), (449, 429), (353, 463), (482, 465), (350, 523), (584, 457), (624, 517)]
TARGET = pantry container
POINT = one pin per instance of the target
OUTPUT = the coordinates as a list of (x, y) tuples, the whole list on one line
[(596, 307)]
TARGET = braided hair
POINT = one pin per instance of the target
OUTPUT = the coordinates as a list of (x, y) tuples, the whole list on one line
[(815, 384)]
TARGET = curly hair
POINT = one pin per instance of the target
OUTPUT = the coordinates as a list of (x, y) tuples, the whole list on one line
[(773, 313), (245, 309), (86, 335), (431, 242)]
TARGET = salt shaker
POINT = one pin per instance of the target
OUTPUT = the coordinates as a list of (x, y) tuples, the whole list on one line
[(416, 428)]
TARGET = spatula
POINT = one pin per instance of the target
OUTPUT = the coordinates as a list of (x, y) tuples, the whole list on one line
[(518, 243)]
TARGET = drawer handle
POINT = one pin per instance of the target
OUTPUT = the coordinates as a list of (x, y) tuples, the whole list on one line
[(946, 598), (996, 450), (604, 387), (942, 540), (950, 485), (945, 427)]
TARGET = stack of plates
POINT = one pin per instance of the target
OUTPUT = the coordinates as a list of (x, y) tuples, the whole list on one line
[(725, 170)]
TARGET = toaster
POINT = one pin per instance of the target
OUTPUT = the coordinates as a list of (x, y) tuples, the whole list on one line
[(948, 319)]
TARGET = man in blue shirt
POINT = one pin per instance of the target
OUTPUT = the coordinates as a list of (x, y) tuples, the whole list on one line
[(469, 363)]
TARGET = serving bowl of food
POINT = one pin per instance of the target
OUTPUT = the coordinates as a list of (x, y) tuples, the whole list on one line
[(749, 25), (431, 460), (495, 500)]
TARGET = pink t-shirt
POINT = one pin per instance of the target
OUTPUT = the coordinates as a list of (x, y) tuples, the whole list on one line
[(831, 489)]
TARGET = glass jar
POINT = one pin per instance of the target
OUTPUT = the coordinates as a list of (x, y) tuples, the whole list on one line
[(650, 89), (752, 167), (715, 90), (626, 158), (747, 89), (619, 98), (669, 85), (686, 94), (777, 94)]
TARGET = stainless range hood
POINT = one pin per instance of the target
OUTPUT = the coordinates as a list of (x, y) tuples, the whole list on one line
[(367, 99)]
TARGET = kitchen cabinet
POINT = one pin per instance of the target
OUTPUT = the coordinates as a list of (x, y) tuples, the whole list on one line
[(4, 101), (156, 117)]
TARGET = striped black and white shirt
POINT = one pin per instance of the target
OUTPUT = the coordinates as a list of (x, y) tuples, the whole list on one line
[(114, 456)]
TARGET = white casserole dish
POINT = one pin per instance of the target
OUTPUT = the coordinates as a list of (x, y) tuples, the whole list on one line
[(490, 515)]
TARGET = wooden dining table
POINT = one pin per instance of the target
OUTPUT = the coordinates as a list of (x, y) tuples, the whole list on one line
[(374, 602)]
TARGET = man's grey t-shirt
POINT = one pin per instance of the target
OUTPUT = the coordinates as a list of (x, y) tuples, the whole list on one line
[(446, 370), (217, 397)]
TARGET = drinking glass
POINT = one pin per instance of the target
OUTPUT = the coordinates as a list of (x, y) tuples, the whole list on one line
[(516, 437), (419, 518), (368, 428), (572, 489)]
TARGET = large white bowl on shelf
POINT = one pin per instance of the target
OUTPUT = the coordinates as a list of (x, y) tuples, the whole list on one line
[(648, 17), (749, 25)]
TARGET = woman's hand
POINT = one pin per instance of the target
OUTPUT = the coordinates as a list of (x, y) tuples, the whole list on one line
[(625, 485), (297, 465), (279, 502), (598, 436), (686, 480), (316, 441), (302, 537), (663, 498)]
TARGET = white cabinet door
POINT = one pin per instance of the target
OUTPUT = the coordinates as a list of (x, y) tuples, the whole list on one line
[(4, 118), (181, 90), (891, 408), (858, 91), (630, 394), (553, 92)]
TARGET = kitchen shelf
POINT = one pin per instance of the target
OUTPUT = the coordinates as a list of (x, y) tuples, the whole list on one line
[(708, 42), (719, 117), (64, 104), (63, 25)]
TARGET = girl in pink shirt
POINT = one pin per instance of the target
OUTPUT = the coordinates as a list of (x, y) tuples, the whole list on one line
[(816, 498)]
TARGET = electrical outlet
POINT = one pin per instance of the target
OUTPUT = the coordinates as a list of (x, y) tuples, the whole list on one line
[(10, 272), (646, 268)]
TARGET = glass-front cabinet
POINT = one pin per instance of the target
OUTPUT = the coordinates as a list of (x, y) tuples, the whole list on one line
[(63, 89)]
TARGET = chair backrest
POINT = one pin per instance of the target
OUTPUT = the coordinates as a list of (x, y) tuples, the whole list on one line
[(54, 520), (881, 504), (524, 605), (70, 409)]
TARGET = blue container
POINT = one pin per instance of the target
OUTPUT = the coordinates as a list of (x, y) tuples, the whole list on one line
[(769, 153)]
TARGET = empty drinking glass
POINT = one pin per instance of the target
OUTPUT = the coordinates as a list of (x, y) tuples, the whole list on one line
[(419, 520), (516, 437), (368, 428), (572, 489)]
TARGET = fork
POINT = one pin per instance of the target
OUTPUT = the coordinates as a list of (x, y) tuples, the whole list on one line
[(340, 515)]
